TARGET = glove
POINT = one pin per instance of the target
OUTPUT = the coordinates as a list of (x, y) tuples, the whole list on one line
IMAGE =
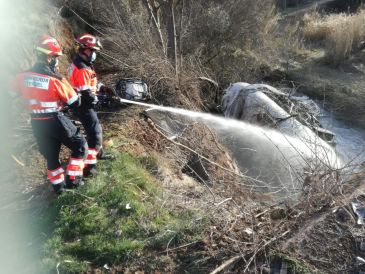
[(107, 90), (115, 99), (75, 104), (88, 98)]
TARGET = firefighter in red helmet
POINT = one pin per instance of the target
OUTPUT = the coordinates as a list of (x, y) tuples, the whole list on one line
[(83, 79), (46, 93)]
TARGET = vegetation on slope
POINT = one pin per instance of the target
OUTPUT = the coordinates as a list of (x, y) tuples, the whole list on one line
[(224, 41), (116, 218)]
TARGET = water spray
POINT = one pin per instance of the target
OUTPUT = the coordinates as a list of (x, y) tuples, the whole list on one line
[(262, 149)]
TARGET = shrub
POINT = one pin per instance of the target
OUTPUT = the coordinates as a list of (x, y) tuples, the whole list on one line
[(341, 34), (209, 36)]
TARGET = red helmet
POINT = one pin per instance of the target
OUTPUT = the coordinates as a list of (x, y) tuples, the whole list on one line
[(49, 46), (89, 41)]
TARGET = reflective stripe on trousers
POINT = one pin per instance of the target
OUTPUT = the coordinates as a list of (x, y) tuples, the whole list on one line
[(91, 156), (56, 176), (75, 168)]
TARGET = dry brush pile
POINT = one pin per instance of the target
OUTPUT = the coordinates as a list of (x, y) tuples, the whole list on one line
[(171, 44)]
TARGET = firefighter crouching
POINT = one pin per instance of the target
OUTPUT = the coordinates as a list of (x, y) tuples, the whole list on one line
[(83, 79), (45, 93)]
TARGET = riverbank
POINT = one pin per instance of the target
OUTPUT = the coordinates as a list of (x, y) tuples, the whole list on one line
[(341, 89)]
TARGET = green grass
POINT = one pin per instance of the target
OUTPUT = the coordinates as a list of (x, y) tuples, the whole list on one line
[(114, 219), (294, 265)]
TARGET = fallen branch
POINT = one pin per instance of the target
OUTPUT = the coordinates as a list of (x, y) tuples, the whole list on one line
[(17, 161), (226, 264), (222, 202), (262, 247), (202, 78), (179, 247)]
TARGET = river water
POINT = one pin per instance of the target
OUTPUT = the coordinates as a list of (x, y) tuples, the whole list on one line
[(350, 140)]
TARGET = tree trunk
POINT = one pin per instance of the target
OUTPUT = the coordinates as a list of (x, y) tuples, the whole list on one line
[(153, 11), (175, 37), (180, 36), (284, 4), (167, 10), (171, 33)]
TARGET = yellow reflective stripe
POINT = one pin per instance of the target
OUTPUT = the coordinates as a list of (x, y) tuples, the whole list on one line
[(43, 50)]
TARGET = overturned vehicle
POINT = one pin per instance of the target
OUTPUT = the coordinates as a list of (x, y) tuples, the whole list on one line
[(265, 105), (284, 142)]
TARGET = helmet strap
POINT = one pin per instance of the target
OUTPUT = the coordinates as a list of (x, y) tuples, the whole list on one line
[(53, 63), (90, 57)]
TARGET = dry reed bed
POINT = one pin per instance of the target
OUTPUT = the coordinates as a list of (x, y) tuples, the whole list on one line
[(341, 34)]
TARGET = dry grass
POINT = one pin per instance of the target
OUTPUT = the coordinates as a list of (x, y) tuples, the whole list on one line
[(341, 34)]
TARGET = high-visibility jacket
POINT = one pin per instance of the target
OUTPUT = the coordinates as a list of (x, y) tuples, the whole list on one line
[(45, 94), (44, 91), (83, 79), (82, 76)]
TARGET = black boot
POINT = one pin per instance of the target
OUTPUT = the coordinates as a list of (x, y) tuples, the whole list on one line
[(90, 170), (71, 184), (104, 156), (58, 188)]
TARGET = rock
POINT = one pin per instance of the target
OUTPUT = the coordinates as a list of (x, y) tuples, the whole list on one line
[(113, 211), (248, 231), (342, 215), (359, 210), (118, 233)]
